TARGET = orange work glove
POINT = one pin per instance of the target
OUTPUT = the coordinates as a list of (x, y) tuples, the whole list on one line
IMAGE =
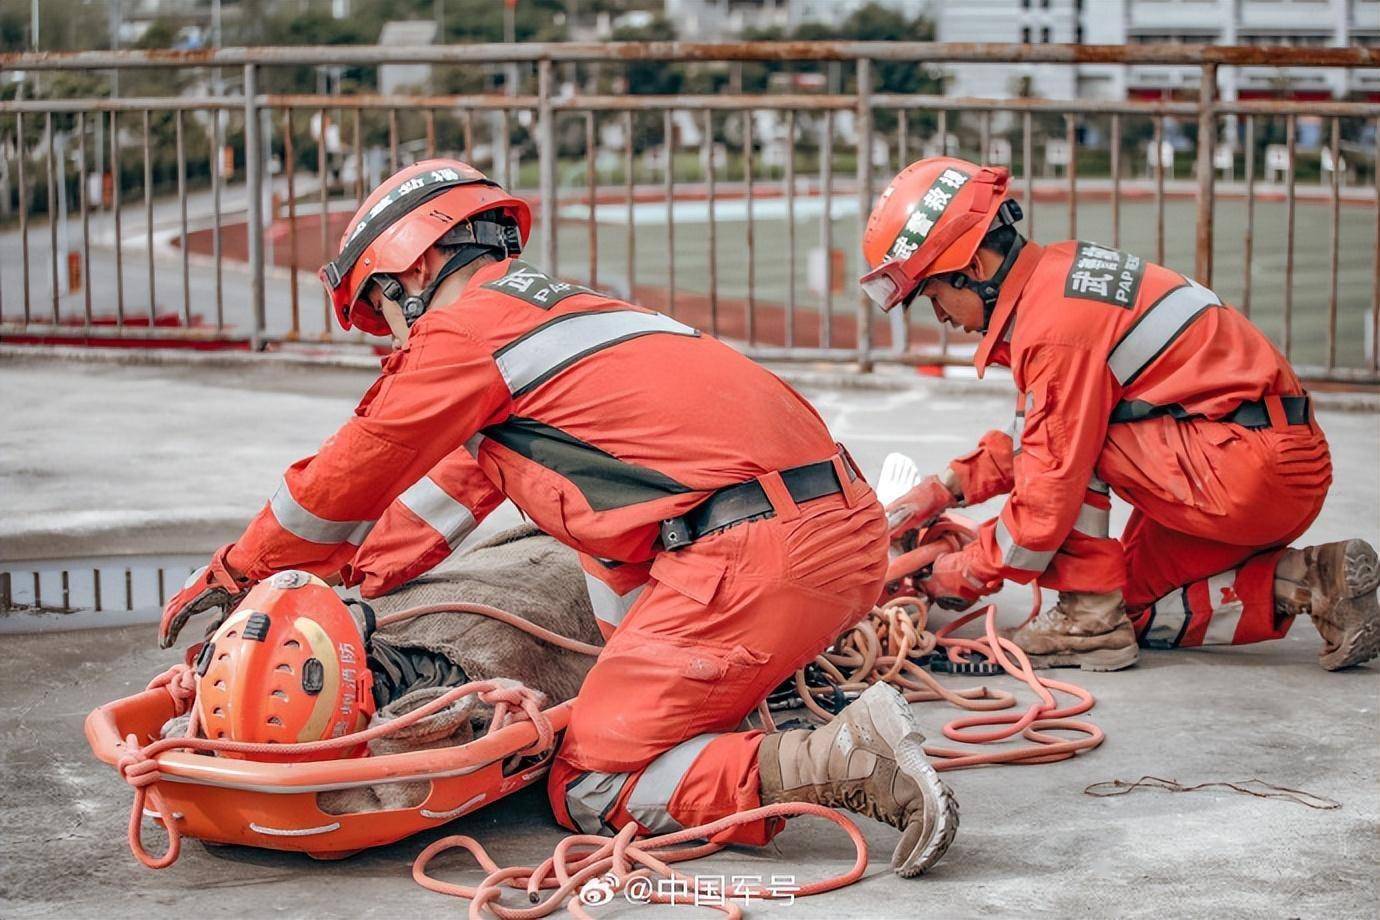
[(210, 587), (952, 584), (920, 506)]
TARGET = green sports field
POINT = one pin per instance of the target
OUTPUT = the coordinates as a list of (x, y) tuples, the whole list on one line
[(1357, 256)]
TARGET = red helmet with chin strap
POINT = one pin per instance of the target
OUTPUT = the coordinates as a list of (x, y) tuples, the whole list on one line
[(429, 202), (930, 221)]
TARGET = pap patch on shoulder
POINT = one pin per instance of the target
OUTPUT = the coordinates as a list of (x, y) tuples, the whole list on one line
[(1104, 275), (535, 286)]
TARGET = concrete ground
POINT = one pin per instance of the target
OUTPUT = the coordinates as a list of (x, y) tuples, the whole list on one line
[(104, 458)]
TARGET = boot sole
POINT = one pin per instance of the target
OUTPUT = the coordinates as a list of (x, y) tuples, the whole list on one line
[(1106, 659), (1359, 612), (893, 718)]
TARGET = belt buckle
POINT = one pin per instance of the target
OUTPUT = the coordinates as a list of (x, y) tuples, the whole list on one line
[(675, 533)]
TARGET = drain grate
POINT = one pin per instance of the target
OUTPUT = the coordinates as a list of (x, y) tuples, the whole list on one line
[(57, 594)]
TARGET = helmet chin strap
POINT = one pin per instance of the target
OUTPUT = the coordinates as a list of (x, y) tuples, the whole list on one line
[(414, 305), (990, 289), (473, 239)]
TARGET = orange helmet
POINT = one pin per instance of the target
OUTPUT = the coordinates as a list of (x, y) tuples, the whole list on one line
[(288, 665), (429, 202), (930, 221)]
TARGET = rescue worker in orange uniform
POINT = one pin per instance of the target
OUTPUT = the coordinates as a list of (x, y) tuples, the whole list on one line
[(729, 537), (1130, 378)]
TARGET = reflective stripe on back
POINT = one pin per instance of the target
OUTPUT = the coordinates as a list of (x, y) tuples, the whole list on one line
[(542, 353), (1157, 329)]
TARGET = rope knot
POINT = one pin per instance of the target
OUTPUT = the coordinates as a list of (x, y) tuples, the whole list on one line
[(512, 702), (180, 682), (136, 767)]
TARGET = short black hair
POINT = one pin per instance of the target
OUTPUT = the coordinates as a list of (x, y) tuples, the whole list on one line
[(1000, 239)]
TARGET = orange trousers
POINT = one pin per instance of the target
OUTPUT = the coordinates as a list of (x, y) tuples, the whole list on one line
[(1214, 506), (653, 736)]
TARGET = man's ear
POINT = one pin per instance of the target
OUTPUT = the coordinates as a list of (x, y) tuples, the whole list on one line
[(976, 270), (416, 277)]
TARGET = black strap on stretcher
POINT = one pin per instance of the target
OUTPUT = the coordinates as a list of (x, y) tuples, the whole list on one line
[(1247, 415), (747, 501)]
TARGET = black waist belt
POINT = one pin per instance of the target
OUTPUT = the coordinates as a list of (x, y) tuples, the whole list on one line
[(1247, 415), (747, 501)]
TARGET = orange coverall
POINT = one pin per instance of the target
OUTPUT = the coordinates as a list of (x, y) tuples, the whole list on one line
[(1127, 373), (600, 419)]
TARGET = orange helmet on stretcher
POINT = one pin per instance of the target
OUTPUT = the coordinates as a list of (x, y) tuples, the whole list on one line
[(431, 202), (289, 665), (930, 221)]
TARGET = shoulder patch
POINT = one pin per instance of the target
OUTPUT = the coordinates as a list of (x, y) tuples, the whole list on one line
[(1104, 275), (535, 287)]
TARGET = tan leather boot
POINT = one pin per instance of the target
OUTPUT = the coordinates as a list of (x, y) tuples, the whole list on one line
[(870, 761), (1088, 631), (1334, 584)]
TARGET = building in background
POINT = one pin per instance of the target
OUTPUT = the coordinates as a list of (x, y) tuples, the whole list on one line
[(1119, 22)]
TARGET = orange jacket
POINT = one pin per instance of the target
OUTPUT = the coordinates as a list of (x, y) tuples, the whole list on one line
[(1086, 329), (424, 525), (597, 418)]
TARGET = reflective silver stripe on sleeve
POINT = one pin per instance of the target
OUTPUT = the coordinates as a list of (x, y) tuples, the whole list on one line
[(1017, 429), (1018, 557), (549, 349), (590, 798), (1167, 622), (608, 604), (442, 513), (1093, 521), (1157, 329), (650, 799), (1226, 609), (1097, 485), (304, 525), (474, 443)]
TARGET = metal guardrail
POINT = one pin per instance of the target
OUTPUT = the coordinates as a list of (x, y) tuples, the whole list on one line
[(237, 276)]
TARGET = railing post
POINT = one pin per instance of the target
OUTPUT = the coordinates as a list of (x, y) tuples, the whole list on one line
[(546, 161), (254, 179), (864, 122), (1207, 145)]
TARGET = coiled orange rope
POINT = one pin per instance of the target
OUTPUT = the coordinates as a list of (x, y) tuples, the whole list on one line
[(618, 862), (891, 644)]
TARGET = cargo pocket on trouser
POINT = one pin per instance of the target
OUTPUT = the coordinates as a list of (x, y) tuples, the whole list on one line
[(649, 692), (837, 549)]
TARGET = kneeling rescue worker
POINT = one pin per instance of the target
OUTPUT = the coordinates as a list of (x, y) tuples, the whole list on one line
[(726, 537), (1133, 377)]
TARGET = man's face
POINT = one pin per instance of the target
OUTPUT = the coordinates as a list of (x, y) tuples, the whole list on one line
[(961, 308)]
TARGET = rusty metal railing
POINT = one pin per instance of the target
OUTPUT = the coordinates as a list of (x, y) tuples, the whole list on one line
[(202, 217)]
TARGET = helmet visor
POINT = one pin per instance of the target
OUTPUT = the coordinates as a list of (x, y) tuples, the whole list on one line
[(886, 285)]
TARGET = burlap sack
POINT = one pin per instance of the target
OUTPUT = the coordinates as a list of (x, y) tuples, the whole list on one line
[(522, 571)]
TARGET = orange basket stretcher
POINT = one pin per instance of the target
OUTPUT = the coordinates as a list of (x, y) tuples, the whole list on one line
[(273, 805)]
